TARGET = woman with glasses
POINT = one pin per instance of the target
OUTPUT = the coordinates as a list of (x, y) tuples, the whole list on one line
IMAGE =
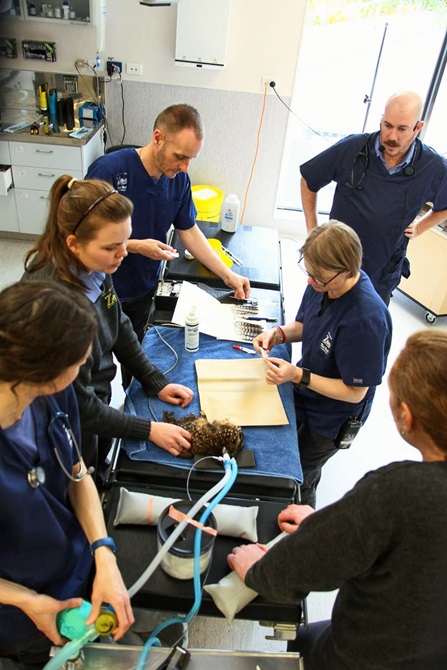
[(52, 528), (83, 244), (345, 329)]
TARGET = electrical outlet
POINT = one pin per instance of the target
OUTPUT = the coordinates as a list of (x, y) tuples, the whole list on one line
[(134, 68), (266, 81), (113, 66), (80, 63)]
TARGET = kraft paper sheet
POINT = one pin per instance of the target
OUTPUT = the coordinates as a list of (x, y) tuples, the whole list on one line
[(237, 391)]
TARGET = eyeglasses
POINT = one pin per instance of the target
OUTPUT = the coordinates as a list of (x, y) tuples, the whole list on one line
[(319, 282)]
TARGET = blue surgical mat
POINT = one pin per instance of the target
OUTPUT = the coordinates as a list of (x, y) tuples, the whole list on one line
[(275, 447)]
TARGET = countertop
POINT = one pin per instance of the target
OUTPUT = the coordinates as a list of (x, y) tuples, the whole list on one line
[(61, 138)]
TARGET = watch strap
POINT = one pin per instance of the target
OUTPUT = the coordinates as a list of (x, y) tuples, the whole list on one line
[(103, 542), (305, 379)]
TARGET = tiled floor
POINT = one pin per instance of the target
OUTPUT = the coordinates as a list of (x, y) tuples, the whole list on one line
[(377, 444)]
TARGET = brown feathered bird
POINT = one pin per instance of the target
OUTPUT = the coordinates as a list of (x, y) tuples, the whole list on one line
[(208, 439)]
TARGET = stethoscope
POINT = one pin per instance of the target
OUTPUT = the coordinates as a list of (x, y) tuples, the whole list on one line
[(36, 475), (363, 155)]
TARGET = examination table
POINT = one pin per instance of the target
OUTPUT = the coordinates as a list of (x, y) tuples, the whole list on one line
[(142, 467)]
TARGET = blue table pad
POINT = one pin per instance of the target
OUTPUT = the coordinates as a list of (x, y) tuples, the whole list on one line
[(275, 447)]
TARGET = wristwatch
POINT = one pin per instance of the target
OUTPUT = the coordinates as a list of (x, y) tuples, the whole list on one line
[(305, 379), (103, 542)]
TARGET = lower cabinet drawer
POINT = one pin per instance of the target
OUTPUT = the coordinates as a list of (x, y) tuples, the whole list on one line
[(8, 213), (38, 178), (32, 210)]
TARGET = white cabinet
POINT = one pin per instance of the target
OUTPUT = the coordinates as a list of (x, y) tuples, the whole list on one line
[(35, 167), (8, 212), (78, 10)]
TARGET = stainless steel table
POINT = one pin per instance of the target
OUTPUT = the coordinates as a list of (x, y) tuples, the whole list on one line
[(121, 657)]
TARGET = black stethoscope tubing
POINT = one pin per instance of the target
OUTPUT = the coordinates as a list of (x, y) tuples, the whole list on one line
[(363, 153), (36, 474)]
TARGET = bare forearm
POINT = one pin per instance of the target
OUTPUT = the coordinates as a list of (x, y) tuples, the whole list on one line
[(87, 508), (333, 388), (293, 331), (195, 241), (429, 220), (309, 202), (14, 594)]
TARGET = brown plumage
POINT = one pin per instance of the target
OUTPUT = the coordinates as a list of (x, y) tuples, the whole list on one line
[(208, 439)]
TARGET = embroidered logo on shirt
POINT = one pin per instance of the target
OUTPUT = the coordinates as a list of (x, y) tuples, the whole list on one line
[(326, 344), (110, 298), (121, 183), (357, 380)]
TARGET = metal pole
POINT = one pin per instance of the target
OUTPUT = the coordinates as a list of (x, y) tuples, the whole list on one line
[(368, 98), (435, 83)]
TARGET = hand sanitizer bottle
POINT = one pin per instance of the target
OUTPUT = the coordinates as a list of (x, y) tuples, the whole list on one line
[(192, 330)]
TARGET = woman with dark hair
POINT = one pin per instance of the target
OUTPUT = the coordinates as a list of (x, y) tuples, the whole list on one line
[(83, 244), (345, 330), (51, 519), (383, 545)]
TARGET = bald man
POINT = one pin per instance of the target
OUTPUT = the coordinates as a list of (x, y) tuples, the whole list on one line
[(383, 180)]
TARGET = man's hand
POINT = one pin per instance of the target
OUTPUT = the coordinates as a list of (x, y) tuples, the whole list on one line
[(195, 241), (154, 249), (412, 230), (240, 284)]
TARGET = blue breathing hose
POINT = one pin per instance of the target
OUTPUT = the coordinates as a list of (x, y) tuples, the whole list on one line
[(153, 640), (72, 648)]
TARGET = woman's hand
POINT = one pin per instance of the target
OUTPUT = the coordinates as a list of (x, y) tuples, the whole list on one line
[(290, 518), (176, 394), (42, 610), (108, 587), (266, 341), (170, 437), (279, 371), (242, 558)]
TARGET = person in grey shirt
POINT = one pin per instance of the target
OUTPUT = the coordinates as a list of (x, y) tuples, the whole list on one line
[(383, 545)]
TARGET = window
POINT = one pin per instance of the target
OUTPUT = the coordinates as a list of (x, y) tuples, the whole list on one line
[(353, 56)]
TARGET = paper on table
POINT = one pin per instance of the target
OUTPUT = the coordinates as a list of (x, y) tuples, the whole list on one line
[(237, 390), (215, 319)]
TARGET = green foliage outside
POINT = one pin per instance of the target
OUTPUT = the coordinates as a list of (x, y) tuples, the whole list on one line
[(326, 12)]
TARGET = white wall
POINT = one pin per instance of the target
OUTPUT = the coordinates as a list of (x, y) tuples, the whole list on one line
[(263, 40)]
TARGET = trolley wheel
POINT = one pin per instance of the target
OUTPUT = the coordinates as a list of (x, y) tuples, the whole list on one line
[(430, 317)]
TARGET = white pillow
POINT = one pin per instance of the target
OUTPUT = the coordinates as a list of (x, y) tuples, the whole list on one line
[(144, 509), (230, 594)]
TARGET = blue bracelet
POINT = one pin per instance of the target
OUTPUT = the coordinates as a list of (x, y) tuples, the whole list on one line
[(103, 542)]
